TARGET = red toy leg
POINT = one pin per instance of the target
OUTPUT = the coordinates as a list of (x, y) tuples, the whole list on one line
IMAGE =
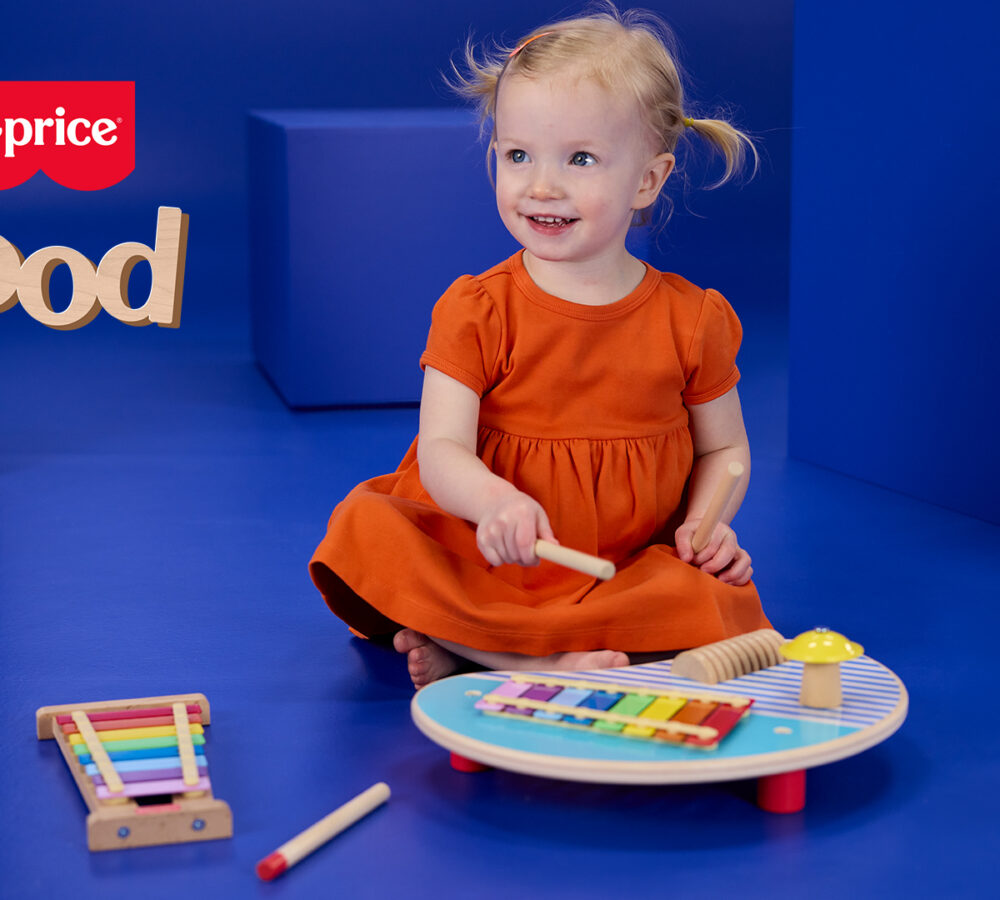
[(782, 793), (463, 764)]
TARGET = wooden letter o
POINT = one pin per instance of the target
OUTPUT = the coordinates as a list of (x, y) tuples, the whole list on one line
[(32, 284), (10, 266)]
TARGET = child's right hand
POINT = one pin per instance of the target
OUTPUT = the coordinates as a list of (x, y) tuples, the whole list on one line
[(509, 528), (722, 556)]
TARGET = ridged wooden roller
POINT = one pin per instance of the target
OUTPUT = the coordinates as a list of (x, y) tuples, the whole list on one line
[(730, 658)]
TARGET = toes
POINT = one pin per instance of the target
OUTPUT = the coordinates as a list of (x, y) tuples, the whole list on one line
[(417, 660), (428, 663), (406, 640), (420, 680), (419, 665)]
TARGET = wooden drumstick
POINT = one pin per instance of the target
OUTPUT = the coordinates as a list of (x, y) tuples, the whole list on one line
[(300, 846), (574, 559), (722, 496)]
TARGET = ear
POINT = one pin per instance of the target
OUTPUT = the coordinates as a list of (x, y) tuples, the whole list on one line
[(655, 177)]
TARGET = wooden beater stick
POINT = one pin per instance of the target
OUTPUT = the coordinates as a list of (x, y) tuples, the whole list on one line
[(300, 846), (574, 559), (722, 496)]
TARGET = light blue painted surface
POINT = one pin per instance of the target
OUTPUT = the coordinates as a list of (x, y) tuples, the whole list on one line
[(447, 704)]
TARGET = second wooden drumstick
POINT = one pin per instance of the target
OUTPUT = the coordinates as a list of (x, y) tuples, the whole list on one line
[(300, 846), (713, 515), (574, 559)]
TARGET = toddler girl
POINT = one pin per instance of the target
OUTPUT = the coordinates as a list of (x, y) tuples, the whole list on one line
[(571, 393)]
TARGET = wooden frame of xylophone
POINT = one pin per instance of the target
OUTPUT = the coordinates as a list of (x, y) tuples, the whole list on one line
[(120, 821)]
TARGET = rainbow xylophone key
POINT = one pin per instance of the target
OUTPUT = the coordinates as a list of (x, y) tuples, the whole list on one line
[(619, 710), (144, 748)]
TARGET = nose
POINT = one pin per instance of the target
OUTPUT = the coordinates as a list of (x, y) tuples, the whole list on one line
[(545, 184)]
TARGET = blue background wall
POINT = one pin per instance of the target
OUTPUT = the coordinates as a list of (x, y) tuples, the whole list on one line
[(199, 67), (893, 281)]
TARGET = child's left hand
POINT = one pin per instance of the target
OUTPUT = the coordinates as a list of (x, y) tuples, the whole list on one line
[(722, 556)]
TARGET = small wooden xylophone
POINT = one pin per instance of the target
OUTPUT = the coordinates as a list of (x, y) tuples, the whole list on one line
[(615, 709), (140, 766)]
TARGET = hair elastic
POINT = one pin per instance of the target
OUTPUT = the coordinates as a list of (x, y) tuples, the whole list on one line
[(524, 44), (688, 123)]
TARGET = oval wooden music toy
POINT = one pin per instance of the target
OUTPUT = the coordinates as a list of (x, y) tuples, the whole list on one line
[(684, 735)]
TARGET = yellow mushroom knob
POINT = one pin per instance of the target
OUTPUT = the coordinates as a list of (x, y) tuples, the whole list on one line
[(821, 651)]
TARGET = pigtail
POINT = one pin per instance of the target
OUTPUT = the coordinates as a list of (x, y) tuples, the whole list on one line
[(734, 145)]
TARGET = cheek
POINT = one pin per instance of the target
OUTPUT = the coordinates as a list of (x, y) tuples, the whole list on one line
[(611, 198), (502, 186), (506, 192), (505, 206), (595, 201), (504, 210)]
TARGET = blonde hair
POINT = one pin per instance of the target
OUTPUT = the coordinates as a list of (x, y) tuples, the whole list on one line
[(632, 52)]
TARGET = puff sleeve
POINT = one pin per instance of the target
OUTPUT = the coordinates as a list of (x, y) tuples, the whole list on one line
[(465, 336), (710, 368)]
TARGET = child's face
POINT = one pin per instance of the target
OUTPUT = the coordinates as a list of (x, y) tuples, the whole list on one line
[(573, 163)]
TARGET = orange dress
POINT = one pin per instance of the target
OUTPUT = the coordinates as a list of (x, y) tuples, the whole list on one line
[(583, 408)]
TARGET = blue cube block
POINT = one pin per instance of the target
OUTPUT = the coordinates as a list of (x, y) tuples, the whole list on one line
[(359, 220)]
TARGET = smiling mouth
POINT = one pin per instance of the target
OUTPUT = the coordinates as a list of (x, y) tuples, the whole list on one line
[(551, 221)]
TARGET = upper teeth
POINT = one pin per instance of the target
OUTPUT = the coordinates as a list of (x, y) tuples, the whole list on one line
[(549, 220)]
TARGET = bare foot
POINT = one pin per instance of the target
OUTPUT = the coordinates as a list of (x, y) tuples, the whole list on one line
[(584, 659), (425, 660), (589, 659)]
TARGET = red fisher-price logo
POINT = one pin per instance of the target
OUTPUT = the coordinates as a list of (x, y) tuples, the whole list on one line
[(79, 133)]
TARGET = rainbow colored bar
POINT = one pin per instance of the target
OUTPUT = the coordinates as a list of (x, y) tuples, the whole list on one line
[(143, 747), (617, 710)]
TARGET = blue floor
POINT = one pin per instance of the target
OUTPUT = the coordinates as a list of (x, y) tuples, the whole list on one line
[(158, 505)]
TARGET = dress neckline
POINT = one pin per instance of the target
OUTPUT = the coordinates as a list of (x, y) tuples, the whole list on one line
[(626, 304)]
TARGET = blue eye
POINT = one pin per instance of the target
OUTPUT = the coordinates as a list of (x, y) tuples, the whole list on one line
[(517, 156), (582, 158)]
